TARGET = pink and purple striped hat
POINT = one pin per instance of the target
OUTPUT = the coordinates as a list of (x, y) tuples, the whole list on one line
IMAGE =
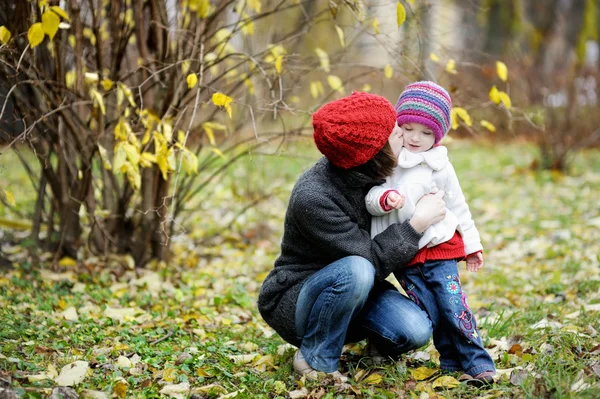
[(426, 103)]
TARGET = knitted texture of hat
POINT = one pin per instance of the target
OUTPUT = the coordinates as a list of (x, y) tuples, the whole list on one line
[(353, 129), (426, 103)]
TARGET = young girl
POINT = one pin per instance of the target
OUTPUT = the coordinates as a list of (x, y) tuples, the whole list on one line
[(431, 279)]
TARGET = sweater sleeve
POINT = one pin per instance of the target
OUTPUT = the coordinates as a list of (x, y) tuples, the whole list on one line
[(375, 200), (455, 202), (329, 228)]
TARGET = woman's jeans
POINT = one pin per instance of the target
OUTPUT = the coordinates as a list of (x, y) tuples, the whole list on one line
[(435, 287), (338, 304)]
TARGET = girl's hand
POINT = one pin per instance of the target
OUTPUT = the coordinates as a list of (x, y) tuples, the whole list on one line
[(475, 262), (395, 200)]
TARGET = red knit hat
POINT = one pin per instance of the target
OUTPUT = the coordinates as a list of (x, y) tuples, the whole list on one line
[(352, 130)]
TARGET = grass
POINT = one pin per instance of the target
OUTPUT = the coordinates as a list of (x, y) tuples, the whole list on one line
[(194, 319)]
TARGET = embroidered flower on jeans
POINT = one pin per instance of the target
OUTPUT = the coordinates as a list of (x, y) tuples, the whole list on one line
[(453, 287)]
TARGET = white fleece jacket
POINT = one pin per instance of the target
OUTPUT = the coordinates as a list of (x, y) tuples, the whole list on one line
[(418, 174)]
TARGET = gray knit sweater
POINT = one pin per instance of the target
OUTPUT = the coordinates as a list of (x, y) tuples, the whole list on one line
[(327, 220)]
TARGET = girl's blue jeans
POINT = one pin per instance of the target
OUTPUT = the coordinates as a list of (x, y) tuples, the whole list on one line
[(435, 287), (340, 304)]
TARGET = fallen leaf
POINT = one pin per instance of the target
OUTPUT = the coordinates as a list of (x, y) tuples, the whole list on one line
[(373, 379), (445, 381), (70, 314), (518, 376), (89, 394), (174, 390), (123, 362), (72, 374), (298, 393), (120, 388), (422, 373)]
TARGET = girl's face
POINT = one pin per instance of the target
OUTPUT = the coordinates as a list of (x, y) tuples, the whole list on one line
[(396, 140), (417, 137)]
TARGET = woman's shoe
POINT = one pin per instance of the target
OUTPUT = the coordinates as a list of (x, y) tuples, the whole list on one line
[(302, 367), (376, 357), (485, 378)]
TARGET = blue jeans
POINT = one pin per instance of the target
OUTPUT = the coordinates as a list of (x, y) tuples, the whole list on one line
[(435, 287), (340, 304)]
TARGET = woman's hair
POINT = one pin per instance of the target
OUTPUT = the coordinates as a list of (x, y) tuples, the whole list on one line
[(381, 165)]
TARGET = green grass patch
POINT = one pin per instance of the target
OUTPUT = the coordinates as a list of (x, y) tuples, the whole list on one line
[(194, 320)]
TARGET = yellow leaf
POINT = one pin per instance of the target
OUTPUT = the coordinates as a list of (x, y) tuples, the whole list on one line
[(248, 27), (222, 100), (91, 77), (376, 25), (488, 125), (181, 137), (279, 64), (505, 99), (35, 35), (190, 162), (104, 157), (120, 388), (107, 84), (323, 58), (388, 71), (201, 372), (132, 153), (422, 373), (192, 80), (134, 177), (202, 7), (119, 157), (67, 262), (124, 92), (462, 114), (4, 34), (98, 100), (185, 66), (219, 153), (502, 70), (60, 12), (255, 5), (451, 66), (63, 304), (400, 13), (445, 381), (495, 95), (373, 379), (10, 199), (316, 89), (70, 79), (434, 57), (71, 39), (147, 159), (209, 128), (89, 34), (411, 2), (335, 83), (50, 23), (340, 33), (366, 88), (167, 130)]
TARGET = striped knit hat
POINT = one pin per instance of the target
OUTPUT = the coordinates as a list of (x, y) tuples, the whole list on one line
[(426, 103)]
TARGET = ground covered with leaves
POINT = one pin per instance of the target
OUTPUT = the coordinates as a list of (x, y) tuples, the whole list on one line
[(98, 328)]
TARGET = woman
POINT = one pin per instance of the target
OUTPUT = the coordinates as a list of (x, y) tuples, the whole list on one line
[(328, 285)]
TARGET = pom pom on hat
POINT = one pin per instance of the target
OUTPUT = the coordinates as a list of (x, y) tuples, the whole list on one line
[(426, 103), (353, 129)]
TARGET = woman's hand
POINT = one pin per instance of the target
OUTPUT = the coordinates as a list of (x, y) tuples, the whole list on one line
[(430, 209)]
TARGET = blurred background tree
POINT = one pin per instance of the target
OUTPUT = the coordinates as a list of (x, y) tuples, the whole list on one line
[(133, 107)]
